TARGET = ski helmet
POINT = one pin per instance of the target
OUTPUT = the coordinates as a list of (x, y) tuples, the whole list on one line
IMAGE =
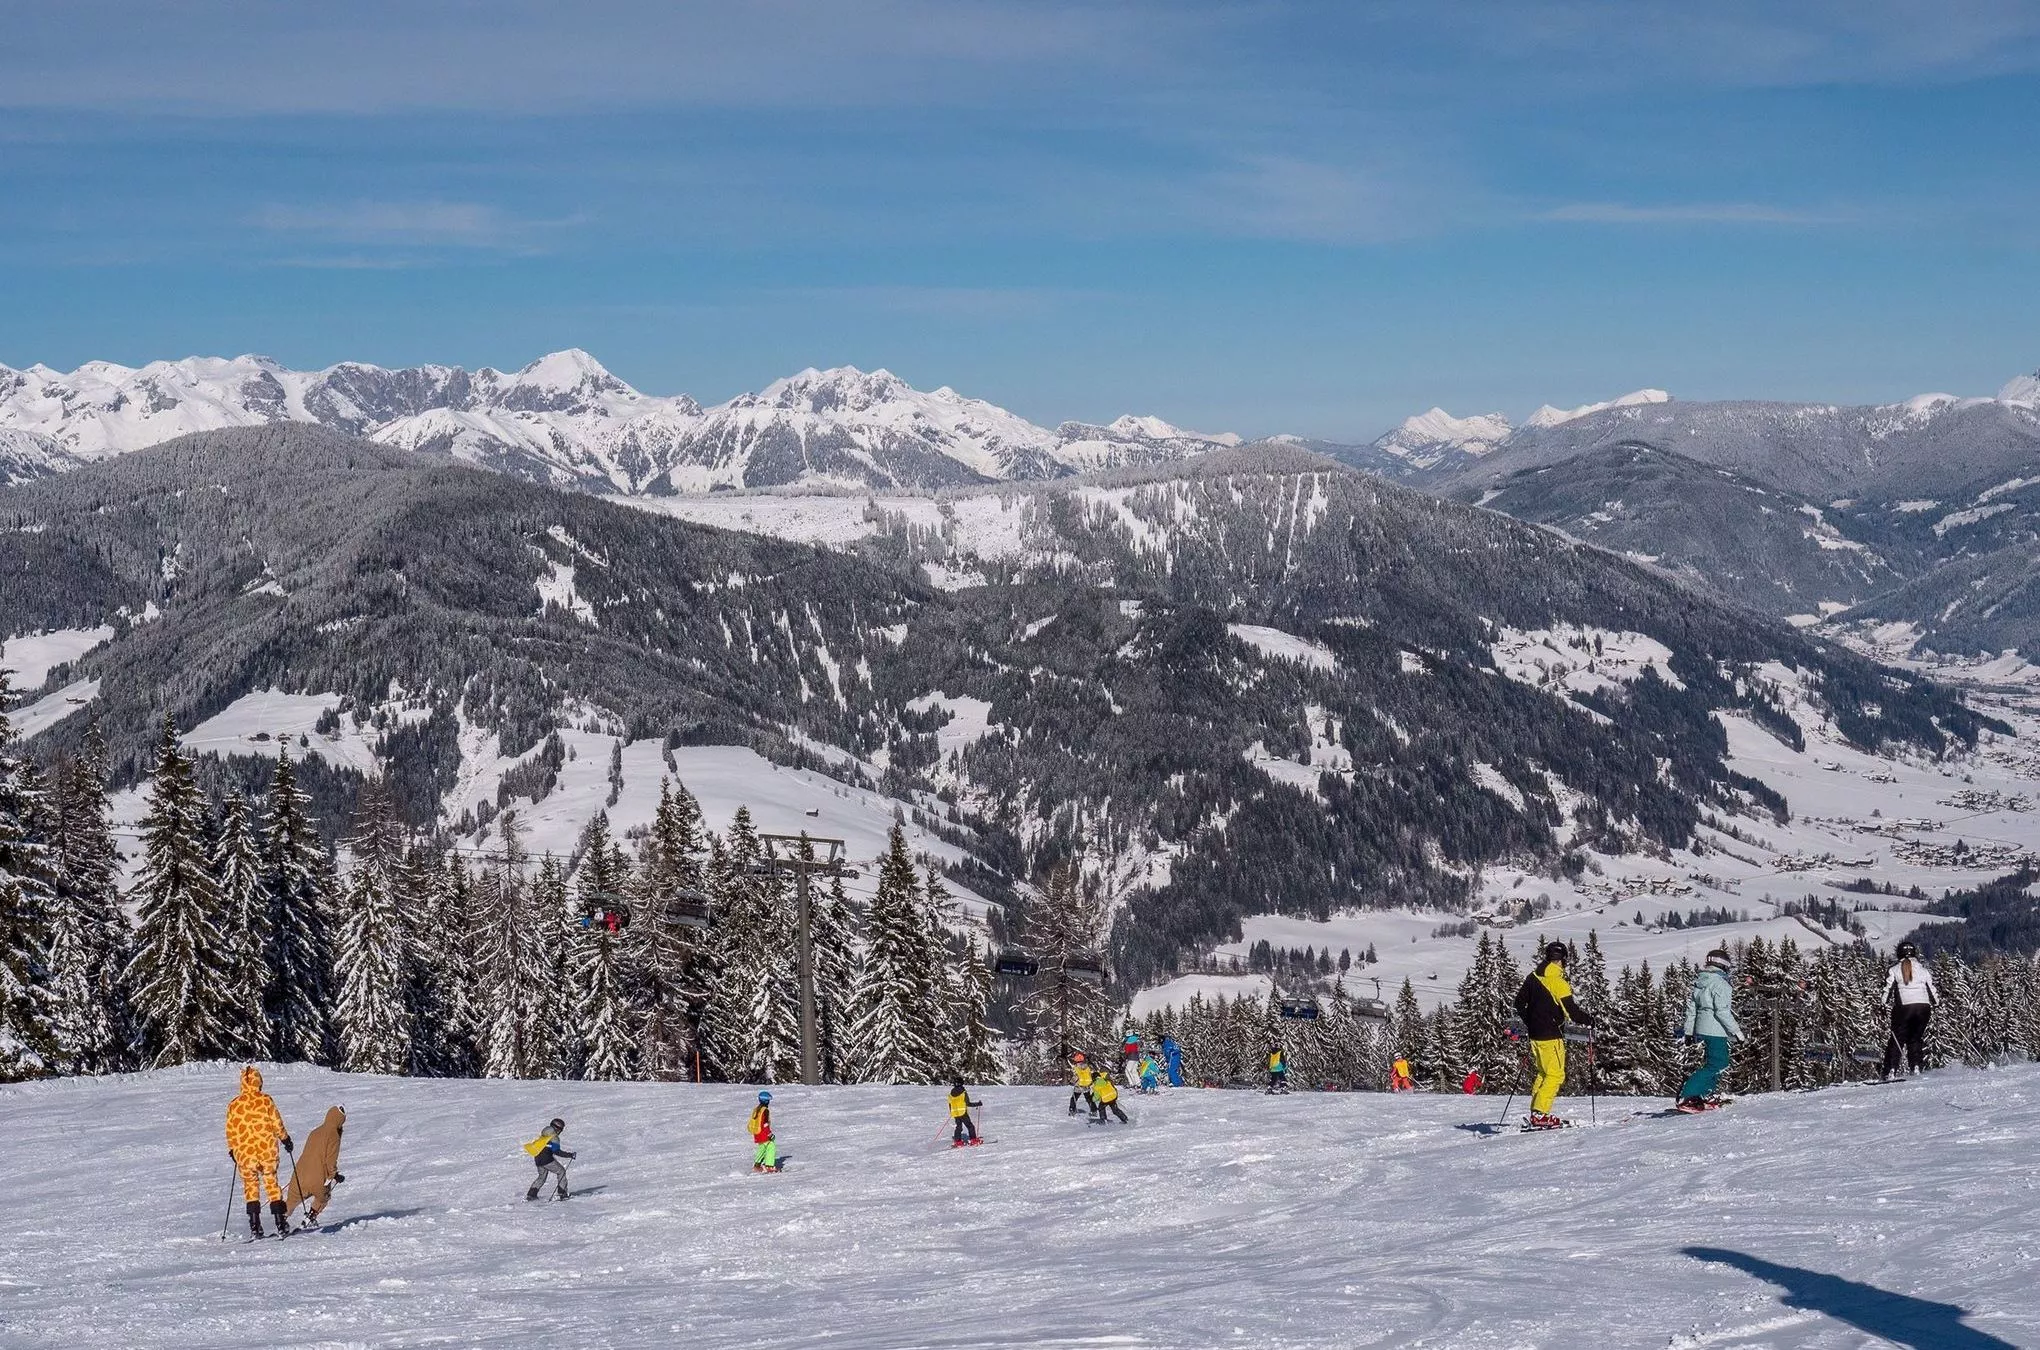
[(764, 1099), (1557, 951), (1719, 959), (1077, 1057), (556, 1124), (1907, 949), (956, 1087)]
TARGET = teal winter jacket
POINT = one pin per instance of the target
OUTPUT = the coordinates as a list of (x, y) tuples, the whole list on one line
[(1708, 1011)]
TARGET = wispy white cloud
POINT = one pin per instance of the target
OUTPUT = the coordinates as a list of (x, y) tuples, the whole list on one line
[(1689, 213), (428, 224)]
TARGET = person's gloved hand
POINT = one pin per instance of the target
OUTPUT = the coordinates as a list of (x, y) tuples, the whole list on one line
[(1692, 1040), (288, 1147), (337, 1178)]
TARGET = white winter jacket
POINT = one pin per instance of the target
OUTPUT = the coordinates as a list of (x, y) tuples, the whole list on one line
[(1918, 988)]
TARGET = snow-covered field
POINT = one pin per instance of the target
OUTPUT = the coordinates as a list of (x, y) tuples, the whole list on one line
[(1857, 1216)]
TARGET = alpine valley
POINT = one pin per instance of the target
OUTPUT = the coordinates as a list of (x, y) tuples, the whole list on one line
[(1258, 691)]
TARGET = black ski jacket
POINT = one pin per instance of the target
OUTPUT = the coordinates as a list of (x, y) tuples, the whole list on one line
[(1544, 1011)]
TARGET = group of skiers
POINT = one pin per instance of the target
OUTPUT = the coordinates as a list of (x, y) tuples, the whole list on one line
[(255, 1130), (1546, 1004)]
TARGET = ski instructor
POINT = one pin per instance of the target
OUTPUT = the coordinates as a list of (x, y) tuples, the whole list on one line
[(1910, 993), (1545, 1003)]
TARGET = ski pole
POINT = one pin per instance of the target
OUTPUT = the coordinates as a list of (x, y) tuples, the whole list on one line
[(291, 1153), (1593, 1080), (1523, 1067), (233, 1170)]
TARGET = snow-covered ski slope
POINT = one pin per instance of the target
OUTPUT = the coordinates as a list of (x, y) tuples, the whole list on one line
[(1858, 1216)]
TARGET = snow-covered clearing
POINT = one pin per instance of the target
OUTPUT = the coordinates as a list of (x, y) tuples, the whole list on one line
[(1855, 1216), (35, 718), (1281, 646), (33, 655), (1579, 660)]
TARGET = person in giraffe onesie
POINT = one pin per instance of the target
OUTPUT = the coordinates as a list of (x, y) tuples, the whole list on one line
[(254, 1128)]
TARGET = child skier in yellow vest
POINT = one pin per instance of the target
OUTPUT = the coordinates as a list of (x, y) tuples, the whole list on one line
[(959, 1112), (1105, 1097), (1081, 1071)]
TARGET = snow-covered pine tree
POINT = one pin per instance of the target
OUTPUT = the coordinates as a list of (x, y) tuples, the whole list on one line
[(176, 978), (977, 1044), (667, 985), (544, 1014), (244, 919), (294, 872), (894, 1022), (1588, 975), (496, 921), (832, 932), (943, 990), (1406, 1031), (371, 956), (1061, 927), (602, 1046), (27, 871), (444, 971)]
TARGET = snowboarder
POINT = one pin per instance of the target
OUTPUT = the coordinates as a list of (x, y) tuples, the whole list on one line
[(546, 1152), (1545, 1003), (1080, 1072), (766, 1158), (1910, 994), (1105, 1097), (1399, 1079), (1710, 1021), (1278, 1069), (254, 1129), (318, 1167), (1172, 1056), (966, 1131)]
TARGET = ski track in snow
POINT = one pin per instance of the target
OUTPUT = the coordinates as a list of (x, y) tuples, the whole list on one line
[(1223, 1219)]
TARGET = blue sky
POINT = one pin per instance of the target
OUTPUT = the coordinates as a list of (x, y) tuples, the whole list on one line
[(1260, 217)]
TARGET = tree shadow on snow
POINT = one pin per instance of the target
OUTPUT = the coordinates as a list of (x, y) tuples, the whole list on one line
[(1898, 1318)]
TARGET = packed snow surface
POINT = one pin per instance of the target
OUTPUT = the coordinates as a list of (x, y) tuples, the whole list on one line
[(32, 656), (1856, 1216)]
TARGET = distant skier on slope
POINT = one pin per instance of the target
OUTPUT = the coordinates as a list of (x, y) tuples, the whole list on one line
[(254, 1129), (1399, 1079), (966, 1130), (318, 1167), (1910, 994), (1105, 1097), (546, 1152), (1172, 1056), (766, 1156), (1545, 1003), (1081, 1075), (1710, 1020), (1278, 1069), (1129, 1056)]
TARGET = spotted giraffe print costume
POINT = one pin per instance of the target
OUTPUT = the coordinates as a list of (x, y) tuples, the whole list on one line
[(254, 1126)]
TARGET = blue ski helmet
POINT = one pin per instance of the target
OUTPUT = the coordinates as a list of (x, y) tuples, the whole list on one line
[(764, 1098)]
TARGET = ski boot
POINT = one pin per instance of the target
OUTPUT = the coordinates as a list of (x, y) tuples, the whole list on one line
[(1540, 1120), (531, 1194), (276, 1211), (255, 1219), (1692, 1106), (560, 1194)]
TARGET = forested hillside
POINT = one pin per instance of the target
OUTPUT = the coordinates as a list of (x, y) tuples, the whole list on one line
[(1242, 688)]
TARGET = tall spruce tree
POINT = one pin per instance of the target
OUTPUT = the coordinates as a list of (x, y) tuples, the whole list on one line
[(27, 871), (177, 976), (295, 871), (977, 1044), (944, 991), (895, 1024), (496, 925), (603, 1046), (832, 933), (445, 972), (244, 919), (547, 1017), (371, 957), (1061, 928), (668, 985)]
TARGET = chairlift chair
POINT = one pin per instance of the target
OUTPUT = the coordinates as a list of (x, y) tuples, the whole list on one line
[(687, 908), (1016, 964), (1088, 968), (1299, 1009), (1376, 1008)]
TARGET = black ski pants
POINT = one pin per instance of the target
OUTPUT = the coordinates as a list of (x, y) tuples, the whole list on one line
[(1113, 1107), (965, 1128), (1908, 1029)]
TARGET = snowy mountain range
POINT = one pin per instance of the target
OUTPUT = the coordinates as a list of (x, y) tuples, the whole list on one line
[(565, 420)]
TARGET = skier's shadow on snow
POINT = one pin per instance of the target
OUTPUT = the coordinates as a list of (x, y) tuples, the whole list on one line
[(354, 1219), (1898, 1318)]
